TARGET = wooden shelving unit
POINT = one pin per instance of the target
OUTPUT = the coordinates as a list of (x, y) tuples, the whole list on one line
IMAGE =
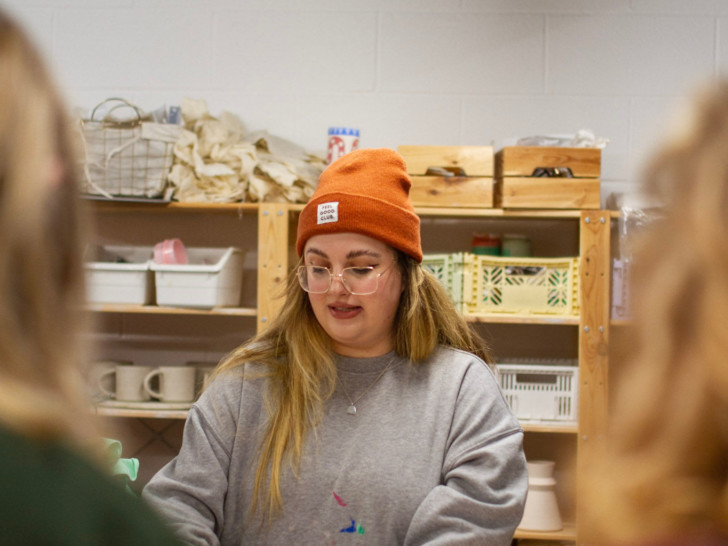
[(274, 241)]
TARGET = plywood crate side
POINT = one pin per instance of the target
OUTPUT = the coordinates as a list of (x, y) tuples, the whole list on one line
[(523, 160), (473, 160), (452, 191), (547, 193)]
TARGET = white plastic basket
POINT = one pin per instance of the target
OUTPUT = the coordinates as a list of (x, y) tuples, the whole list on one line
[(120, 274), (212, 278), (540, 393)]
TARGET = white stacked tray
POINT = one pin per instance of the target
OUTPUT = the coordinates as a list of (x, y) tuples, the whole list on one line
[(211, 278), (120, 274)]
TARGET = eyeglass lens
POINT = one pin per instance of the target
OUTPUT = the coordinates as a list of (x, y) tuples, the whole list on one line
[(357, 280)]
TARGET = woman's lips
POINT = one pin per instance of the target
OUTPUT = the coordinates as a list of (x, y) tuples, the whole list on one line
[(343, 311)]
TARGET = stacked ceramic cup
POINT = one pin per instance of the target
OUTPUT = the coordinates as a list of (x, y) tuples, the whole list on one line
[(542, 511)]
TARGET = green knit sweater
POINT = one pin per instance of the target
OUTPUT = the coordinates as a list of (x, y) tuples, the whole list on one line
[(49, 495)]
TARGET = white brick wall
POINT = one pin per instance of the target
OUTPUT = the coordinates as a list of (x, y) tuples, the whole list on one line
[(403, 71)]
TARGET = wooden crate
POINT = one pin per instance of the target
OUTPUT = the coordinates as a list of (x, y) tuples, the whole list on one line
[(472, 186), (516, 187)]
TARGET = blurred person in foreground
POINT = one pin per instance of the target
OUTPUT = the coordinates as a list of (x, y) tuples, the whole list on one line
[(54, 488), (664, 478), (366, 412)]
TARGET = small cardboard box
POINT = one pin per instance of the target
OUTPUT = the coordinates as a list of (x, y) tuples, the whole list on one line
[(517, 187), (450, 176)]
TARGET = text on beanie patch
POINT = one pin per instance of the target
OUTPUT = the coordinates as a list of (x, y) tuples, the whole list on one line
[(327, 212)]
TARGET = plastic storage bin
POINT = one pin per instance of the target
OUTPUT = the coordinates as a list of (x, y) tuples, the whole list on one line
[(540, 392), (212, 277), (448, 269), (121, 275), (520, 286)]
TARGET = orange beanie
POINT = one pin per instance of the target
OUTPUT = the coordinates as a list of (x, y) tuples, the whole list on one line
[(365, 191)]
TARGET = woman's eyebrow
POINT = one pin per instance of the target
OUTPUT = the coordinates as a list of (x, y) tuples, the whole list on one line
[(317, 252), (357, 253), (350, 255)]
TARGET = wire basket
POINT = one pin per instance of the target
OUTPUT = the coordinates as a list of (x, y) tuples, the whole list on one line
[(126, 157)]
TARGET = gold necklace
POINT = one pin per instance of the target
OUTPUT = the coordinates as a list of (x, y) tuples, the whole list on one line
[(351, 410)]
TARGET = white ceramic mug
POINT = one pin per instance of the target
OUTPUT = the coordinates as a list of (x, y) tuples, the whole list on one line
[(129, 383), (203, 370), (176, 383), (94, 375)]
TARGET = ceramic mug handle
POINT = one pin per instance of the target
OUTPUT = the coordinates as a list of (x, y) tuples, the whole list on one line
[(148, 384), (100, 382)]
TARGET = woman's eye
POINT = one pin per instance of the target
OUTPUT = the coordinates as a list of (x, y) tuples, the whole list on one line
[(361, 271), (318, 270)]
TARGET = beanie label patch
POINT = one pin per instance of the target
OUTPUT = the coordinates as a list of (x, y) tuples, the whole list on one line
[(327, 212)]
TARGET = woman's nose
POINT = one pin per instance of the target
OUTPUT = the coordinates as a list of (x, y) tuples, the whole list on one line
[(337, 285)]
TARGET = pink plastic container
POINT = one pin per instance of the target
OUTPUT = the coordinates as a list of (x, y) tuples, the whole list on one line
[(171, 252)]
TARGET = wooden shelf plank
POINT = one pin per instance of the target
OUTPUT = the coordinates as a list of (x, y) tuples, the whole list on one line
[(523, 319), (156, 309), (497, 213), (161, 206), (550, 428), (141, 413), (567, 533)]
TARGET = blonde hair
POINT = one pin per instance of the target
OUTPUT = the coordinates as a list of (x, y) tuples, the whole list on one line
[(667, 466), (302, 373), (41, 274)]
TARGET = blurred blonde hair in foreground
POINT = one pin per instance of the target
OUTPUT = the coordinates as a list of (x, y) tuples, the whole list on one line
[(41, 272), (665, 473)]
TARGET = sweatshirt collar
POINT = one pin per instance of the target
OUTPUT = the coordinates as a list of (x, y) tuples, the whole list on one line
[(365, 365)]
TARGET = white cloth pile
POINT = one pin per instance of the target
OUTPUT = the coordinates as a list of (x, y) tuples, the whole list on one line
[(583, 138), (216, 163)]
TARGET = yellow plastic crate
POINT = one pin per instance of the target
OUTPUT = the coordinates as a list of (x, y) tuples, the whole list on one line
[(520, 286)]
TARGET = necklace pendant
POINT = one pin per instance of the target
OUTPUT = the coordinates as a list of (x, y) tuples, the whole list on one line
[(351, 410)]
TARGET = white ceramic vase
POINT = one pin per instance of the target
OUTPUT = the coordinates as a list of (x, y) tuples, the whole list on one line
[(541, 512)]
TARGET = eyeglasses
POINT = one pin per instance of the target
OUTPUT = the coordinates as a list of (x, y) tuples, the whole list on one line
[(359, 281)]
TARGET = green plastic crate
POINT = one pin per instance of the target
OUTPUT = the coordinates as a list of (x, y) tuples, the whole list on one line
[(448, 269)]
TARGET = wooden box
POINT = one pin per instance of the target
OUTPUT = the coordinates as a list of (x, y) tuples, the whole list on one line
[(470, 183), (516, 187)]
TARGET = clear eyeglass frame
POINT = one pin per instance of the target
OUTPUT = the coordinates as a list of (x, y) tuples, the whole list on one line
[(303, 270)]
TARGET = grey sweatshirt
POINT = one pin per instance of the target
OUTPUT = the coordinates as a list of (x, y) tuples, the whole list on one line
[(432, 456)]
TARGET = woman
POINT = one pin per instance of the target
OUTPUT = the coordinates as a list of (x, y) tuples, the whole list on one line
[(53, 489), (664, 480), (362, 413)]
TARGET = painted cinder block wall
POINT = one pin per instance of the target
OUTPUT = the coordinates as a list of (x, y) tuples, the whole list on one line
[(403, 71)]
